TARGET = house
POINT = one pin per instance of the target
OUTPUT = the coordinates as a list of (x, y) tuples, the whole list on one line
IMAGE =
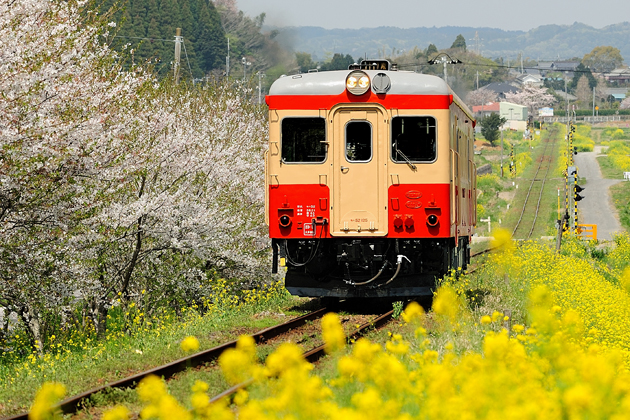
[(566, 67), (529, 79), (618, 76), (501, 89), (482, 111), (516, 115)]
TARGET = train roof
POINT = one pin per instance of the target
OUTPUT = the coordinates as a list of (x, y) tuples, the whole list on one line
[(334, 83)]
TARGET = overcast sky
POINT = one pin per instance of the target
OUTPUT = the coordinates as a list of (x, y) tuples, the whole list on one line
[(503, 14)]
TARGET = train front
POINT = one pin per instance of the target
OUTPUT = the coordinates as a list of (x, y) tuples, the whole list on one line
[(359, 178)]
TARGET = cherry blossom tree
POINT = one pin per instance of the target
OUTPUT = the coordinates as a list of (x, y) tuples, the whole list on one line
[(532, 97), (110, 181), (64, 95)]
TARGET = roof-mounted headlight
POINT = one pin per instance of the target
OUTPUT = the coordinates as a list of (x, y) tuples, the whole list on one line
[(357, 83)]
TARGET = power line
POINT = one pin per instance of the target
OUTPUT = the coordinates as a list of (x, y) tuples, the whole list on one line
[(144, 38)]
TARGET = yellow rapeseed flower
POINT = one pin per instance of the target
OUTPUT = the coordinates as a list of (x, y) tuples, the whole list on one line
[(190, 344), (413, 313), (117, 413), (446, 303), (502, 240), (332, 333), (45, 401)]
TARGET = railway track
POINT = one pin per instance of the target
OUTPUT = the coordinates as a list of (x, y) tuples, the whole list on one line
[(74, 404), (529, 213)]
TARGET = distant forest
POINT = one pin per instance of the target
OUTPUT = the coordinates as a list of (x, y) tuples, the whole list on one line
[(149, 27)]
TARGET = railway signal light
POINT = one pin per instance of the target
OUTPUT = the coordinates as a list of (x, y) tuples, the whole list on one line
[(578, 197), (575, 150), (578, 188)]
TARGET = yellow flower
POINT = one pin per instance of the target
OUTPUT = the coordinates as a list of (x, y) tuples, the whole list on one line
[(190, 344), (485, 320), (413, 312), (45, 401), (446, 303), (332, 333), (502, 240), (117, 413)]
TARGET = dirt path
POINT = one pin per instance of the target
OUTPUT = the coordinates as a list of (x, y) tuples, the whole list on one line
[(597, 208)]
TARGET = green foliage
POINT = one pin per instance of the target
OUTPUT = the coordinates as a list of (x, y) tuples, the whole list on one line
[(338, 62), (304, 62), (582, 71), (431, 49), (490, 127), (459, 43), (603, 59)]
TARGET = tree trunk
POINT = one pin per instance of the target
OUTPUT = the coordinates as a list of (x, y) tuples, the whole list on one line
[(31, 319)]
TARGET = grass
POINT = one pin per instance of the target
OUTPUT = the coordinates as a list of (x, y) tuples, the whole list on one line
[(100, 362), (608, 168), (548, 206), (621, 198)]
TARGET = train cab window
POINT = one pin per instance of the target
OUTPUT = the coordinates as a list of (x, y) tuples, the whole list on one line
[(303, 140), (358, 141), (414, 139)]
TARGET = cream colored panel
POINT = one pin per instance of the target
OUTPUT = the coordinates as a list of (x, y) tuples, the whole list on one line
[(360, 188)]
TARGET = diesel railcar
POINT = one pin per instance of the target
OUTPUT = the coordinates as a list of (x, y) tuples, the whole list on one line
[(370, 181)]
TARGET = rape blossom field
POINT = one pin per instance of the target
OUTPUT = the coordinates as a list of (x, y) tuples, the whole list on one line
[(533, 334)]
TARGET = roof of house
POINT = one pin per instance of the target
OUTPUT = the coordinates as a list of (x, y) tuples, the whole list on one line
[(491, 107), (501, 88)]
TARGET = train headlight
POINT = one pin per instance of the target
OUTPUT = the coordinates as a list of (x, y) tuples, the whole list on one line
[(432, 220), (357, 83), (284, 221)]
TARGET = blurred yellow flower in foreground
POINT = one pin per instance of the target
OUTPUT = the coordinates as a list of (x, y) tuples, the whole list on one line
[(190, 344), (332, 333), (45, 401), (502, 240)]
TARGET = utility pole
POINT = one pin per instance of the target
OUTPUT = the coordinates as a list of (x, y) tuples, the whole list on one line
[(227, 61), (245, 64), (260, 77), (501, 153), (444, 59), (178, 52), (593, 101)]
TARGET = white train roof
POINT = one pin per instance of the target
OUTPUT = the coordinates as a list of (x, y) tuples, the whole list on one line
[(334, 83)]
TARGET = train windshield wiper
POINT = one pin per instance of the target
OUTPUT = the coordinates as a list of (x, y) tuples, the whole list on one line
[(411, 165)]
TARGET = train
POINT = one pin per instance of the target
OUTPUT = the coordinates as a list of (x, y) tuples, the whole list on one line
[(370, 183)]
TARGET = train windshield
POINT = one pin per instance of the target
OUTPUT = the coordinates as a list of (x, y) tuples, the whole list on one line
[(303, 140), (414, 139)]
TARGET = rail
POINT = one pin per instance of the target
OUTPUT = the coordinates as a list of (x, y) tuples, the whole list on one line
[(73, 404), (544, 158)]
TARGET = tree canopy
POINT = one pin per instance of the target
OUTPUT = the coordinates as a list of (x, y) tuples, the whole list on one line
[(603, 59), (148, 26), (490, 127), (460, 42)]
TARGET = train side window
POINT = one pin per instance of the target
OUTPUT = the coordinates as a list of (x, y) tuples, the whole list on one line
[(414, 139), (358, 141), (303, 140)]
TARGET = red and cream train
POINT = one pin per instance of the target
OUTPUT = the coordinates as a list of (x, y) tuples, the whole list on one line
[(370, 181)]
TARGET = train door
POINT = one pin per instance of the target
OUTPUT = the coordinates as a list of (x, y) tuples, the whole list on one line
[(360, 193)]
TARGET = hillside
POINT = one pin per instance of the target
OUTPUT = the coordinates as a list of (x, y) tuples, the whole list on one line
[(544, 42)]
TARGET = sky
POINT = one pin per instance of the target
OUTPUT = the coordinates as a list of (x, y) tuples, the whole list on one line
[(502, 14)]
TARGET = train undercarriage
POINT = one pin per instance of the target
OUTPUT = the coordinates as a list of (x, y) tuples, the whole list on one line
[(368, 267)]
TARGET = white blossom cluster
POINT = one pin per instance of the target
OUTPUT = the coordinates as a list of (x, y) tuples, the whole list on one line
[(110, 181)]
